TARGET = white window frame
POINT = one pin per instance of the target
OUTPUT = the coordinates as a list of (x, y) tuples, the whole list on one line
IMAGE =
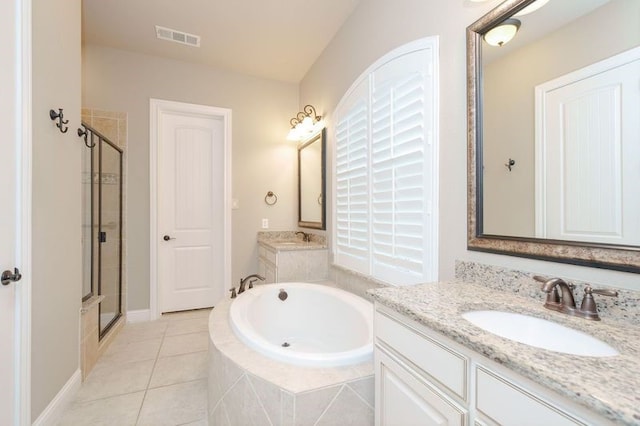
[(430, 248)]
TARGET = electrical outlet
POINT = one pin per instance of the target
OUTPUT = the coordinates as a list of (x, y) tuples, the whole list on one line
[(265, 223)]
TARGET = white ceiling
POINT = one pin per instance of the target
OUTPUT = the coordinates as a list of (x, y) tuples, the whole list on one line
[(277, 39)]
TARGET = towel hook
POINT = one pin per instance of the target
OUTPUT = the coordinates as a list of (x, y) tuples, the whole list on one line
[(510, 164), (270, 198), (60, 117), (83, 133)]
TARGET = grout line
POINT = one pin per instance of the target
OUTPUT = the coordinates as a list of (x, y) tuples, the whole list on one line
[(329, 404), (144, 397)]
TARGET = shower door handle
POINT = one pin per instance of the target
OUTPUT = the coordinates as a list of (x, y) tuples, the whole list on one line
[(167, 238)]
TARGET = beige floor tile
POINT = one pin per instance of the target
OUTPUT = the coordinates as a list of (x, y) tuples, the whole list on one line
[(185, 326), (175, 405), (111, 379), (179, 316), (132, 351), (184, 343), (179, 369), (141, 331), (121, 410)]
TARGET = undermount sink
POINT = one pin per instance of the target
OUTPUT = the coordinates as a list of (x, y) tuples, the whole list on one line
[(540, 333)]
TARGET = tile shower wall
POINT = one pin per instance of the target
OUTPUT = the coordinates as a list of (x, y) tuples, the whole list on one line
[(113, 125)]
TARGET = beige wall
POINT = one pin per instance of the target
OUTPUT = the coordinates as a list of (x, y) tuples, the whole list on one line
[(262, 158), (378, 26), (57, 268), (509, 85)]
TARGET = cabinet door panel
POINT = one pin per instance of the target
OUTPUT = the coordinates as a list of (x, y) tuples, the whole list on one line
[(508, 404), (404, 400)]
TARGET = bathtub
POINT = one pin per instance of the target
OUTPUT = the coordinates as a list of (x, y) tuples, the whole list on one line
[(315, 325), (325, 375)]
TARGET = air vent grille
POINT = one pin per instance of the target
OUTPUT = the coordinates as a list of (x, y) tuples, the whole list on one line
[(176, 36)]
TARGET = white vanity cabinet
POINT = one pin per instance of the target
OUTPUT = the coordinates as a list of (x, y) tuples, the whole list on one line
[(292, 263), (425, 378)]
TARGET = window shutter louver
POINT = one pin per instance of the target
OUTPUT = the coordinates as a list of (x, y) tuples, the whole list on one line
[(352, 188), (386, 171)]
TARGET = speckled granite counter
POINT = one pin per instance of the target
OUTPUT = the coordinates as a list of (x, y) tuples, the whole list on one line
[(288, 240), (608, 385)]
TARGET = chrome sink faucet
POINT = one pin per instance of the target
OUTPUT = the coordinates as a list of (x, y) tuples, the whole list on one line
[(565, 303), (243, 281)]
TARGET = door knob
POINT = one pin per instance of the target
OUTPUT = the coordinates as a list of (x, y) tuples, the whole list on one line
[(167, 238), (8, 277)]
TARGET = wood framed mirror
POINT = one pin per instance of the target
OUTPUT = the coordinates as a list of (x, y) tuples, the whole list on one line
[(312, 182), (537, 111)]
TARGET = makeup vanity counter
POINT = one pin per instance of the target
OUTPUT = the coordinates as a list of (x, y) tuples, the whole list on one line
[(284, 257), (574, 389)]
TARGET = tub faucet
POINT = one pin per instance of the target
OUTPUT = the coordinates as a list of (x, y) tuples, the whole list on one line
[(305, 236), (243, 282)]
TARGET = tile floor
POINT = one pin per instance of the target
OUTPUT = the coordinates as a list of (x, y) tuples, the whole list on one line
[(154, 373)]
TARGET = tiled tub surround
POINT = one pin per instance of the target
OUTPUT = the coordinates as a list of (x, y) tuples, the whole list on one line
[(608, 386), (248, 388)]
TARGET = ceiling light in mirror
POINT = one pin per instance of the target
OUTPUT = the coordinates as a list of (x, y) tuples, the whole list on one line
[(503, 33), (532, 7)]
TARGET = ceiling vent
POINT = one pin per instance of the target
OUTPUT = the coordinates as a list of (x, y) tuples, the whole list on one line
[(176, 36)]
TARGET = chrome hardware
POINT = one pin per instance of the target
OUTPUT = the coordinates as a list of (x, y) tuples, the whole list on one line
[(565, 303), (8, 277), (233, 292), (305, 236), (167, 238), (243, 282), (282, 295)]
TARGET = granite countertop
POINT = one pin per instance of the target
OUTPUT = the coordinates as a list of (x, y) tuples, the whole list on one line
[(290, 240), (283, 245), (606, 385)]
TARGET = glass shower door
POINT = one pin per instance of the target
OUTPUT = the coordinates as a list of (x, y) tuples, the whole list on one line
[(109, 238)]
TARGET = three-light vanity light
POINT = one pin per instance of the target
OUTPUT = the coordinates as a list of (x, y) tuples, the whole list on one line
[(305, 124)]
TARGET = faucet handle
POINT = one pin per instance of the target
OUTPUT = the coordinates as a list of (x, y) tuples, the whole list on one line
[(588, 306), (233, 292), (600, 291)]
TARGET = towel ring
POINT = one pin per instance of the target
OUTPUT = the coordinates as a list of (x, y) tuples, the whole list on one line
[(270, 198)]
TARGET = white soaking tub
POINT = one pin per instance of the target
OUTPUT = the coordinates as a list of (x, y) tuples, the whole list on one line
[(315, 325)]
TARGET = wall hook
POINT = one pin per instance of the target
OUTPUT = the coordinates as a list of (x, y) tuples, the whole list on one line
[(60, 117), (510, 164), (83, 133), (270, 198)]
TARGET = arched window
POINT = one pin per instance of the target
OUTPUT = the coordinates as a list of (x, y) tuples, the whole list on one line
[(386, 168)]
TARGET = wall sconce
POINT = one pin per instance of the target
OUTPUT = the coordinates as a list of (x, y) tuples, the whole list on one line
[(502, 33), (306, 123)]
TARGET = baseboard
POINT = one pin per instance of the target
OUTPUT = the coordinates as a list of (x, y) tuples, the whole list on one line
[(140, 315), (57, 407)]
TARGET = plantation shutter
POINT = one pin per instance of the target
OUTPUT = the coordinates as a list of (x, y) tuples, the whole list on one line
[(352, 184), (386, 172)]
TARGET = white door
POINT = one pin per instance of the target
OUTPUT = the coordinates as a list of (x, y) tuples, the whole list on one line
[(13, 301), (591, 155), (191, 210)]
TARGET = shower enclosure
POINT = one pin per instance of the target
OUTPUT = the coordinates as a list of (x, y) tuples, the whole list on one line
[(102, 230)]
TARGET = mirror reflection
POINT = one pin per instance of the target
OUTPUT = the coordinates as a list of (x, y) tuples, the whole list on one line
[(311, 182), (560, 127)]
